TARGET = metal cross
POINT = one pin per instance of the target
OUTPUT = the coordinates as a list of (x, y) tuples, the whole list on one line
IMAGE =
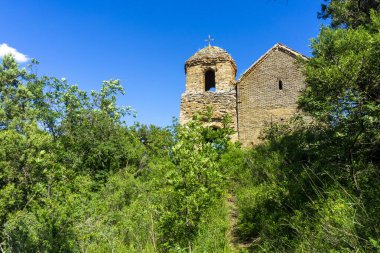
[(209, 39)]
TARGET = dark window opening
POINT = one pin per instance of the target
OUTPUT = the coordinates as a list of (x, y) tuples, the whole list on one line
[(280, 84), (215, 128), (210, 80)]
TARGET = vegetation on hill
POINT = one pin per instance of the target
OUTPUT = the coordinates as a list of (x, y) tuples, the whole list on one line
[(75, 178)]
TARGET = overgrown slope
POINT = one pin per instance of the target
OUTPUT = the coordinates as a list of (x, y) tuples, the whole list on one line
[(75, 178)]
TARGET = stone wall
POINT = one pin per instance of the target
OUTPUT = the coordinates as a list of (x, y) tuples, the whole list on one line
[(223, 103), (223, 100), (224, 77), (259, 99)]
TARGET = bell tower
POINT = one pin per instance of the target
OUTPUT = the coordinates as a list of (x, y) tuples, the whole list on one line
[(210, 81)]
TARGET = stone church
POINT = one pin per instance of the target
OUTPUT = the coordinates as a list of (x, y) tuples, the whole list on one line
[(266, 92)]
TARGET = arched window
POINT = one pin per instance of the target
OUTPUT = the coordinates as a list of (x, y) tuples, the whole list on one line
[(280, 84), (210, 80)]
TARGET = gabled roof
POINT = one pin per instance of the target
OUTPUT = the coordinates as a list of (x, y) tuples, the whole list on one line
[(277, 47)]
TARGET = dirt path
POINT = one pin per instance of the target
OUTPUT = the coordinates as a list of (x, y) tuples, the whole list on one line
[(235, 243), (232, 217)]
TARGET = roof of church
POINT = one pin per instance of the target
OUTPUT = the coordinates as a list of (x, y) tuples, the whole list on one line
[(209, 55), (278, 46)]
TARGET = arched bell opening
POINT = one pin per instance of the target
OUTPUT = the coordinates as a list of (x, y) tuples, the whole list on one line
[(210, 80)]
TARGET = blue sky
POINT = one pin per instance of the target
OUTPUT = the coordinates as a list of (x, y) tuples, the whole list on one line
[(146, 43)]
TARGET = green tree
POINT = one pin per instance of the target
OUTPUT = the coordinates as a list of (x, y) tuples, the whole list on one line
[(20, 92), (313, 186), (343, 87), (193, 182), (348, 13)]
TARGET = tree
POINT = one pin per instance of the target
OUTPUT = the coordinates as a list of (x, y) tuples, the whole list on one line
[(344, 86), (193, 181), (348, 13), (20, 92)]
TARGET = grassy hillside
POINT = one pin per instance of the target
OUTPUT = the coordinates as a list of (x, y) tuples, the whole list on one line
[(75, 178)]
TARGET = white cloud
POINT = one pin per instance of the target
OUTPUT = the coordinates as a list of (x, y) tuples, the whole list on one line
[(19, 57)]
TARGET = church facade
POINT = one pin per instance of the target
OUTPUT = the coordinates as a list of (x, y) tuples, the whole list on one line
[(267, 92)]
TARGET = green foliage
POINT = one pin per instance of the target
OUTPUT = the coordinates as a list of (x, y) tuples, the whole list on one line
[(75, 178), (19, 93), (157, 141), (193, 183), (343, 86), (312, 187), (348, 13), (333, 225), (212, 235)]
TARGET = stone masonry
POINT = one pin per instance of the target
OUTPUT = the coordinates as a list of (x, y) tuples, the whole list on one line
[(267, 92), (197, 98), (261, 100)]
